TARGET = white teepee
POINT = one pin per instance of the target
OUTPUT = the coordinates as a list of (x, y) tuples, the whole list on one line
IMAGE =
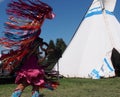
[(88, 54)]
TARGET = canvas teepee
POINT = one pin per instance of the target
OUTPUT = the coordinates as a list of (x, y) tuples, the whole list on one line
[(89, 52)]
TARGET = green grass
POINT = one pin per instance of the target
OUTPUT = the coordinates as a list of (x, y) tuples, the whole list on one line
[(73, 88)]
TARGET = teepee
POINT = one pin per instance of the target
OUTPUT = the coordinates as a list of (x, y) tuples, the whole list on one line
[(89, 51)]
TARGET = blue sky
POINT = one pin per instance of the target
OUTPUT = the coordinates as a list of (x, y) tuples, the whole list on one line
[(69, 14)]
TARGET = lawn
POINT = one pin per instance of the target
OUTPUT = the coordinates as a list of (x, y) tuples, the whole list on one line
[(73, 87)]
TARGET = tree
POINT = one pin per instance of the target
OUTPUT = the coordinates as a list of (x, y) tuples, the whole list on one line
[(60, 47), (61, 44), (51, 56), (56, 50), (51, 44)]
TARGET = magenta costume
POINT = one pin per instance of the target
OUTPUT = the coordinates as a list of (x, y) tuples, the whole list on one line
[(31, 72)]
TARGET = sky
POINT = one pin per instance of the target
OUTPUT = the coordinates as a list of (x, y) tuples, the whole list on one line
[(69, 14)]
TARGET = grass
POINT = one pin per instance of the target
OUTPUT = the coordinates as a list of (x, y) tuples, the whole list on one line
[(73, 87)]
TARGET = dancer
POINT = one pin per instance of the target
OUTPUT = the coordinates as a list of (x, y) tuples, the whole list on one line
[(31, 72), (22, 38)]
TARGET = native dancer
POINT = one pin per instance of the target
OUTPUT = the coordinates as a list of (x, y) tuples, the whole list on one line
[(22, 38)]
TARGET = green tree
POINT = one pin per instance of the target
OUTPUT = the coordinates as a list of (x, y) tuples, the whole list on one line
[(56, 50), (60, 44), (51, 56), (60, 47), (51, 44)]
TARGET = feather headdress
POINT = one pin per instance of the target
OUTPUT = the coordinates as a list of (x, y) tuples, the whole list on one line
[(23, 27)]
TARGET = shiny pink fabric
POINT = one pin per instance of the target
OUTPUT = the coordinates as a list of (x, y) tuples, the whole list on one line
[(31, 72)]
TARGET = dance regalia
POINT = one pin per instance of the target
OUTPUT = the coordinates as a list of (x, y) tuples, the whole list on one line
[(23, 28)]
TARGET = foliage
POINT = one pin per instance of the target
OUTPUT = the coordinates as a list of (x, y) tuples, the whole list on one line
[(57, 50), (61, 44)]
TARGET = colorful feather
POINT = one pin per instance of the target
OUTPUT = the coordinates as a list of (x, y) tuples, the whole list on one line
[(24, 26)]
